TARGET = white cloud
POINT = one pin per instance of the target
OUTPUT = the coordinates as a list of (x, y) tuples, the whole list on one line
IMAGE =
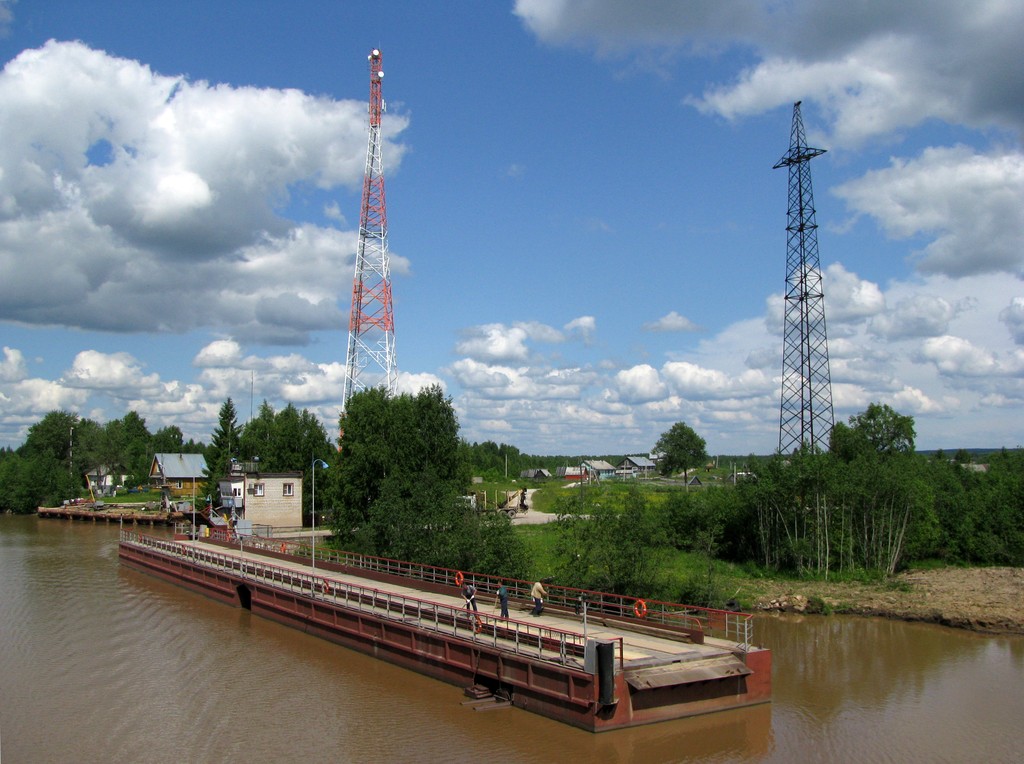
[(505, 382), (919, 316), (870, 71), (640, 384), (849, 298), (24, 402), (864, 92), (696, 382), (117, 373), (671, 322), (414, 383), (972, 204), (494, 342), (219, 353), (912, 401), (955, 355), (499, 342), (114, 178), (582, 327), (12, 368)]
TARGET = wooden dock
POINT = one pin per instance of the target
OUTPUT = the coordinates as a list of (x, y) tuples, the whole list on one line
[(110, 513)]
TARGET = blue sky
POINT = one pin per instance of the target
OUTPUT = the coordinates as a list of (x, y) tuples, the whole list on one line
[(587, 236)]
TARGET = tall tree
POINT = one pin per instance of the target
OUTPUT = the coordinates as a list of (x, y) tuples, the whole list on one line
[(396, 489), (681, 449), (50, 464), (258, 435), (53, 437), (223, 446), (287, 450), (167, 440), (878, 429)]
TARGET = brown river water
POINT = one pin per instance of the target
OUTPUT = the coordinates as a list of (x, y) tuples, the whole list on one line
[(99, 663)]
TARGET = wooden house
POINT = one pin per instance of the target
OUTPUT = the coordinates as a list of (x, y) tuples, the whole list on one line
[(179, 475)]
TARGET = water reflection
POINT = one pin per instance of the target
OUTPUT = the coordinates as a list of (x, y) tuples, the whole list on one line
[(901, 691), (104, 663)]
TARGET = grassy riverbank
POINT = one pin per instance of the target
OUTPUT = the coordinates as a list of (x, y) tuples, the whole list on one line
[(989, 600)]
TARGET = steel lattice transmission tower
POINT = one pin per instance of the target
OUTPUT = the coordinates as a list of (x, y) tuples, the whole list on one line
[(806, 416), (370, 360)]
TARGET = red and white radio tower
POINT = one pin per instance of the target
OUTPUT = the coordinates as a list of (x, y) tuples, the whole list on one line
[(370, 360)]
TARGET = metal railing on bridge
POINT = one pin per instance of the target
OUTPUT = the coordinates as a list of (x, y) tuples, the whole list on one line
[(732, 626), (542, 642)]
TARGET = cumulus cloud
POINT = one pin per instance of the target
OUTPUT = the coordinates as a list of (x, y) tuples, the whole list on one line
[(494, 342), (671, 322), (913, 401), (866, 72), (640, 384), (849, 300), (12, 368), (583, 328), (919, 316), (505, 382), (219, 353), (693, 381), (112, 372), (33, 396), (114, 178), (500, 342), (872, 67), (848, 297), (972, 204), (956, 355), (132, 200), (414, 383)]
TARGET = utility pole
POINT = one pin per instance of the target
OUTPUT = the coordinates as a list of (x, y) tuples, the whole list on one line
[(806, 415), (370, 360)]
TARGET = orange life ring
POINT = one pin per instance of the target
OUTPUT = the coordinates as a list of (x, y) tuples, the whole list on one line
[(326, 586), (640, 608), (284, 549), (459, 578)]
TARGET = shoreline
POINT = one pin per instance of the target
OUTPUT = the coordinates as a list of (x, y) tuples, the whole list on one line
[(984, 600)]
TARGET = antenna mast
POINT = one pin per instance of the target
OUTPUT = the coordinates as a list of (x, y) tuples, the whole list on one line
[(806, 416), (370, 360)]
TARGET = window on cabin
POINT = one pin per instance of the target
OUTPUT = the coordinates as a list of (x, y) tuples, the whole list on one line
[(258, 489), (288, 489)]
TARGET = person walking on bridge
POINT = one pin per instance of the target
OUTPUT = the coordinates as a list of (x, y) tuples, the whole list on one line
[(538, 593)]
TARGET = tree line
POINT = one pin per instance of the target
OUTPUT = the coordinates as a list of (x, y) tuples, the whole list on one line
[(398, 469), (51, 465), (870, 505)]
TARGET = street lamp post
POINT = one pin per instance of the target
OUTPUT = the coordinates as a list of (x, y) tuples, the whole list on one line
[(312, 503)]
